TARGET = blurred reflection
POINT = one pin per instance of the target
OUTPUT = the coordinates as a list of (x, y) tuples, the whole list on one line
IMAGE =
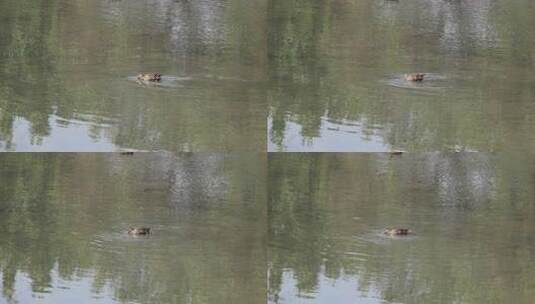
[(64, 218), (66, 63), (471, 213), (335, 75)]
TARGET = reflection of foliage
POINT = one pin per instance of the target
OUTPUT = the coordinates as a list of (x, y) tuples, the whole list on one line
[(333, 59), (294, 34), (62, 217), (69, 60), (469, 211), (26, 58)]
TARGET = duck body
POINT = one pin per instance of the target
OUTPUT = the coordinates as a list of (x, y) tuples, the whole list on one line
[(154, 77), (397, 231), (139, 231), (414, 77)]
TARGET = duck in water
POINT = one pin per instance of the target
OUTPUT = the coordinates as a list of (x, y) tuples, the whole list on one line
[(397, 231), (414, 77), (154, 77), (139, 231)]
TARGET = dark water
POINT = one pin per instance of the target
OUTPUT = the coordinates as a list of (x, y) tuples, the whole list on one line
[(64, 219), (472, 217), (335, 75), (67, 69)]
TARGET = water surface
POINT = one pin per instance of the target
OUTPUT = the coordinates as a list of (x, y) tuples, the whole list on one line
[(64, 220), (335, 71), (67, 70), (472, 217)]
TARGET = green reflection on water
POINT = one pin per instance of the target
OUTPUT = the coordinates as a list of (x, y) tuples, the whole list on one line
[(65, 65), (472, 216), (335, 75), (64, 220)]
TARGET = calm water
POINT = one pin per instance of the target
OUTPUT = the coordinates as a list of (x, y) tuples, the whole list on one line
[(67, 69), (473, 217), (64, 216), (335, 75)]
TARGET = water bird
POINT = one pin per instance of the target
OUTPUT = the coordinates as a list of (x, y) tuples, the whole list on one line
[(397, 231), (414, 77), (127, 153), (154, 77), (139, 230)]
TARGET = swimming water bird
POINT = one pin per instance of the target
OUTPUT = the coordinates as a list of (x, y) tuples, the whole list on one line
[(397, 231), (414, 77), (155, 77), (139, 231)]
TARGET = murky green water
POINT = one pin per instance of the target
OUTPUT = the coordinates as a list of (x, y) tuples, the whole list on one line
[(66, 70), (333, 69), (286, 75), (63, 221), (473, 217), (335, 75)]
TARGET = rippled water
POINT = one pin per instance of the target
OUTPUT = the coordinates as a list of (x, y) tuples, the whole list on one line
[(471, 217), (344, 61), (61, 60), (165, 82), (64, 219)]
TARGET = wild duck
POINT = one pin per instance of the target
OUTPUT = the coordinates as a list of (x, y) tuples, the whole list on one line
[(139, 231), (397, 231), (155, 77), (414, 77)]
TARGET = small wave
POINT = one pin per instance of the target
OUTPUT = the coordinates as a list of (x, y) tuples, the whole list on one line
[(167, 81), (432, 82)]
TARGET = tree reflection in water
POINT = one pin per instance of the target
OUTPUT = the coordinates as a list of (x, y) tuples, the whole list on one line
[(471, 213), (64, 219)]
